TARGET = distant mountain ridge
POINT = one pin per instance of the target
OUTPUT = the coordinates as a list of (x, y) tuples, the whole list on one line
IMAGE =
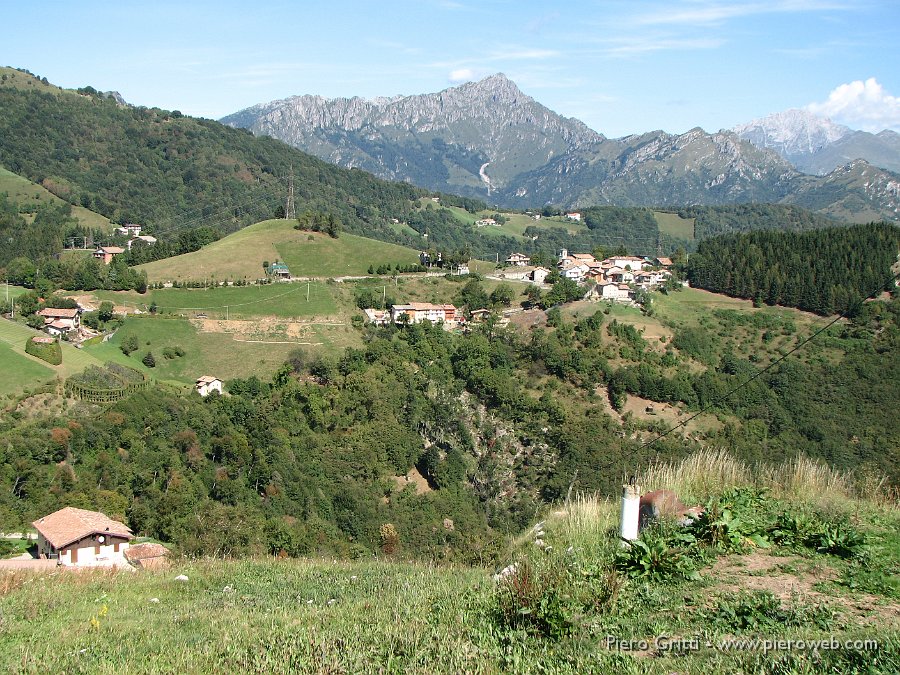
[(489, 140), (440, 141), (817, 145)]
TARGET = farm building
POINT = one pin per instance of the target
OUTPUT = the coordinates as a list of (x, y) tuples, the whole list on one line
[(80, 537), (280, 271), (129, 230), (518, 259), (207, 385), (417, 312)]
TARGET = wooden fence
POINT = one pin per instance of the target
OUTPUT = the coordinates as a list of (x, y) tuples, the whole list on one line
[(100, 395)]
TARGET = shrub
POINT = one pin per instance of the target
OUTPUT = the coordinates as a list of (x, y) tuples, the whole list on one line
[(734, 520), (659, 555), (49, 352), (532, 598), (761, 610), (129, 344), (173, 352)]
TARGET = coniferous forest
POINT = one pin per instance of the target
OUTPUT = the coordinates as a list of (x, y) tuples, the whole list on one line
[(824, 271)]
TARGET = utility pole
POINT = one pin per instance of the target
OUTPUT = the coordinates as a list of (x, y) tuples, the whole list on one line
[(289, 210), (307, 291)]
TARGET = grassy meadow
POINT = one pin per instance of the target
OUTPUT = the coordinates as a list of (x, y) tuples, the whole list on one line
[(26, 193), (572, 601), (278, 300), (22, 371), (674, 225), (307, 254), (233, 350)]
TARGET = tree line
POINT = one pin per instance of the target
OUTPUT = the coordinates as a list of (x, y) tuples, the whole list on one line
[(826, 271)]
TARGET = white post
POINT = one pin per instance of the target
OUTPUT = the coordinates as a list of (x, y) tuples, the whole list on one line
[(631, 507)]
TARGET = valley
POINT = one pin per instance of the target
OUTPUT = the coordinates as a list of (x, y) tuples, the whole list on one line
[(417, 401)]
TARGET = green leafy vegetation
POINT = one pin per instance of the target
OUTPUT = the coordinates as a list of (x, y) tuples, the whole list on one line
[(49, 352), (824, 271)]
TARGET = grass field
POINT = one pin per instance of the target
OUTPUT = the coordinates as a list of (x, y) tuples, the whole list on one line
[(241, 255), (25, 192), (284, 300), (19, 371), (224, 354), (576, 603), (674, 225), (10, 291)]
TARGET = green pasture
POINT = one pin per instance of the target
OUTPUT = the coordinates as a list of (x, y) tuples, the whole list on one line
[(307, 254), (285, 300), (674, 225)]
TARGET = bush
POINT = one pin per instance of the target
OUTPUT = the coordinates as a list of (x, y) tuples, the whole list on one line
[(659, 555), (173, 352), (49, 352), (532, 598), (129, 344), (761, 610)]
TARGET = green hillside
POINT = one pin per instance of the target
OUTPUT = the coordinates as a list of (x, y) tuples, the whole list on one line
[(29, 196), (241, 255)]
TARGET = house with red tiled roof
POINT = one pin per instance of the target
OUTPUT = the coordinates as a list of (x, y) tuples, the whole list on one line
[(80, 537), (58, 321), (106, 253)]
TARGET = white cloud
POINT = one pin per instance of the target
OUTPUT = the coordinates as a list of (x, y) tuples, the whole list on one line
[(461, 75), (861, 105)]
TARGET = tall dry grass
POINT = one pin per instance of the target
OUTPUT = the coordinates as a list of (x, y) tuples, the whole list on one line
[(710, 471), (801, 479)]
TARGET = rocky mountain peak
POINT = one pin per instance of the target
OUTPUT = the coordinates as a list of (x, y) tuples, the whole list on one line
[(792, 131)]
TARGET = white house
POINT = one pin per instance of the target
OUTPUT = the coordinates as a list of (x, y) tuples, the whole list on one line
[(574, 216), (573, 269), (416, 312), (636, 263), (379, 317), (144, 238), (59, 321), (208, 384), (611, 291), (84, 538), (539, 275), (485, 221), (518, 259), (129, 230)]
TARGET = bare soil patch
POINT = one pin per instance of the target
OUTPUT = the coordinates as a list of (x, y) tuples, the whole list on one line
[(528, 319), (415, 478), (763, 572), (672, 415), (263, 329)]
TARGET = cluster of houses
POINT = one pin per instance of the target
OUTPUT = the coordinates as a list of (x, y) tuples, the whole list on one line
[(614, 278), (415, 312), (130, 230)]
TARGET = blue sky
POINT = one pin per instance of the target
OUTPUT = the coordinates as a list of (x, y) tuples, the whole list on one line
[(620, 66)]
